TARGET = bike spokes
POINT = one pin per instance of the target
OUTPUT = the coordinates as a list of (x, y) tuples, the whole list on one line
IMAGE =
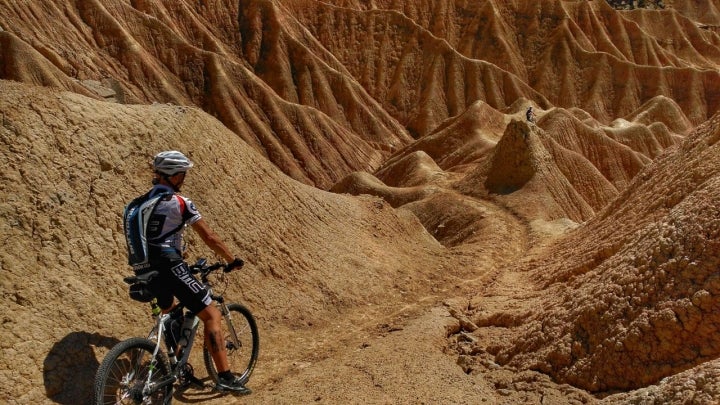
[(130, 376)]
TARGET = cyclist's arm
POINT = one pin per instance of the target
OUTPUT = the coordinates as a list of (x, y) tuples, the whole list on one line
[(212, 240)]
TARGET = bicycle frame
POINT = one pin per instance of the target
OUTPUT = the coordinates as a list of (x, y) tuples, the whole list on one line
[(156, 334), (144, 380), (179, 359)]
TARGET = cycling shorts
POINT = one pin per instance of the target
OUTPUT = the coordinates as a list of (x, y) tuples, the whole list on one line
[(175, 280)]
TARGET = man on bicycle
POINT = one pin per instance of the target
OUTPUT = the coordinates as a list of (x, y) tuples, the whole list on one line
[(165, 245)]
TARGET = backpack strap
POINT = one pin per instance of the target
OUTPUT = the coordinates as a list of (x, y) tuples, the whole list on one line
[(181, 202)]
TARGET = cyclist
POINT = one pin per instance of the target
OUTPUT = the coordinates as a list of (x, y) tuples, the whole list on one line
[(530, 115), (165, 246)]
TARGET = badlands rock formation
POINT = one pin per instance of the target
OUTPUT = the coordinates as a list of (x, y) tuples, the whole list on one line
[(630, 297), (302, 80), (410, 236)]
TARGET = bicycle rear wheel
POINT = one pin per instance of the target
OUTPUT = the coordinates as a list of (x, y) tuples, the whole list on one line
[(242, 355), (124, 372)]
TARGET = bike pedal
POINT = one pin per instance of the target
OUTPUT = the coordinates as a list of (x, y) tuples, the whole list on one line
[(187, 378), (197, 383), (194, 382)]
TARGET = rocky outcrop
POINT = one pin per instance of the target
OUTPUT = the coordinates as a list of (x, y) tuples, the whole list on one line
[(513, 163)]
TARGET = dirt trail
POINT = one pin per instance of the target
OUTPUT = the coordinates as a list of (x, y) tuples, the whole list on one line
[(362, 343)]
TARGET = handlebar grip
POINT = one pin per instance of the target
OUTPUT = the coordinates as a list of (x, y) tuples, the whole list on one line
[(235, 264)]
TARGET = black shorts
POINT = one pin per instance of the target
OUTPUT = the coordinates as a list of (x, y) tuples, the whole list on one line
[(175, 280)]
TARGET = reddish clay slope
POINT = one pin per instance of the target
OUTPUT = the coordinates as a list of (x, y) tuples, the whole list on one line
[(561, 167), (537, 179), (576, 54), (595, 162), (24, 63), (704, 11), (418, 77), (308, 83), (617, 162), (460, 140)]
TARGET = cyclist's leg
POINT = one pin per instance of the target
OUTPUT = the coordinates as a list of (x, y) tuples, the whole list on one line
[(215, 344), (211, 318), (165, 285), (160, 287), (187, 289)]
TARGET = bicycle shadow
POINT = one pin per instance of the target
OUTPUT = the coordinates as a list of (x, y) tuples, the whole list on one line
[(70, 366), (192, 397)]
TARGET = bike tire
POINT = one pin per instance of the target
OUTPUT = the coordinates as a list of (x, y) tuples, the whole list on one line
[(123, 372), (242, 359)]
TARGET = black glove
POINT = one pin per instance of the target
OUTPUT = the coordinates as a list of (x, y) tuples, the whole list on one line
[(235, 264)]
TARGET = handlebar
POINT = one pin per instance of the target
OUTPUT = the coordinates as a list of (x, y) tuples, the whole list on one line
[(200, 267)]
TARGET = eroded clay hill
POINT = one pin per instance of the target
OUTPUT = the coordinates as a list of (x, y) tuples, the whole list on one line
[(569, 161), (68, 164), (574, 53), (326, 88), (212, 56), (631, 297)]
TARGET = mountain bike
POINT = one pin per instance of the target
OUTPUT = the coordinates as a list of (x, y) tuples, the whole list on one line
[(138, 371)]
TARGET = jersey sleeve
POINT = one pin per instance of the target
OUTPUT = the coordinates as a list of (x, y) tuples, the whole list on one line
[(190, 214)]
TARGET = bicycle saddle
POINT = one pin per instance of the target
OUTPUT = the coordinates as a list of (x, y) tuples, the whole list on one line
[(144, 278)]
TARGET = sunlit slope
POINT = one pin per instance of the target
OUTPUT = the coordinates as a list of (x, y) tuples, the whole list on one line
[(296, 107), (567, 165), (325, 89), (70, 163), (575, 54)]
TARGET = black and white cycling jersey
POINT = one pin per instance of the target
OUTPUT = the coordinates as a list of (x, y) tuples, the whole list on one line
[(167, 223)]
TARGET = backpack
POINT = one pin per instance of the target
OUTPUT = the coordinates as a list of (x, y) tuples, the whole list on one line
[(135, 221)]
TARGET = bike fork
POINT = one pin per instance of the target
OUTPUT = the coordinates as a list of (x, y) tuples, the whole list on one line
[(228, 321)]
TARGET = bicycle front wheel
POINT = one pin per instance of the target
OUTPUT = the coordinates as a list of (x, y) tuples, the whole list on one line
[(242, 352), (127, 370)]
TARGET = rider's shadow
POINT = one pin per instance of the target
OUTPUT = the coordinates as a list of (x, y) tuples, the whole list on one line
[(69, 369)]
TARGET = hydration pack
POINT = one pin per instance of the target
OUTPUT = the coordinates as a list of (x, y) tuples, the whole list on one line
[(135, 221)]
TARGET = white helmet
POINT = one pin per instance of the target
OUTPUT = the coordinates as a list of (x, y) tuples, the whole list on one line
[(171, 162)]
